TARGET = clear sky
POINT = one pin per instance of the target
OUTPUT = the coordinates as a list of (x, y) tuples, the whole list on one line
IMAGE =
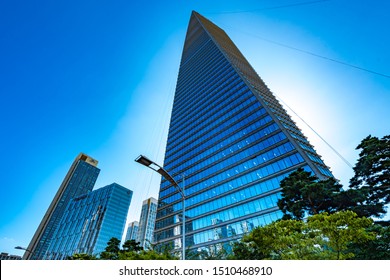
[(99, 77)]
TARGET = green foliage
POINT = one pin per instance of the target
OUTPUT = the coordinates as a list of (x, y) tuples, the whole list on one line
[(246, 250), (132, 245), (113, 245), (302, 192), (81, 256), (372, 176), (367, 195), (339, 230), (112, 250), (281, 240), (375, 249), (131, 251), (323, 236), (145, 255)]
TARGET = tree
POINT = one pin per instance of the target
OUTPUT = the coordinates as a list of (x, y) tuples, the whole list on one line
[(131, 245), (339, 230), (145, 255), (303, 192), (131, 251), (246, 250), (282, 240), (81, 256), (112, 250), (375, 249), (367, 195), (323, 236), (372, 176)]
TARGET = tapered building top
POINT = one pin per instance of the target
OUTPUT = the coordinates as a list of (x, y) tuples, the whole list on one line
[(200, 26)]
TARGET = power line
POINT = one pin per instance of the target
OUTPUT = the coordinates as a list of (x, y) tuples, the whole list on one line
[(297, 49), (321, 56), (314, 54), (312, 129), (272, 8)]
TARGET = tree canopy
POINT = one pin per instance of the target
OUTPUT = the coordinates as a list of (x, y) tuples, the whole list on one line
[(372, 175), (339, 230), (112, 250), (323, 236), (303, 193), (375, 249), (81, 256), (283, 240), (367, 195), (131, 245), (131, 250)]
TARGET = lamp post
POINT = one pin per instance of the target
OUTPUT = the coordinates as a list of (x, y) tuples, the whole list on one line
[(154, 166), (22, 248)]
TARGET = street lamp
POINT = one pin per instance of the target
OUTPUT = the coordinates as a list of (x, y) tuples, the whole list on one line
[(22, 248), (155, 167)]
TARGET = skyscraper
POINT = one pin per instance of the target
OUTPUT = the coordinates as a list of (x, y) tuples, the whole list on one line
[(90, 221), (233, 142), (79, 180), (146, 222), (132, 231)]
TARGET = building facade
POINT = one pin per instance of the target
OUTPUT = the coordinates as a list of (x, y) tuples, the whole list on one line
[(7, 257), (79, 180), (132, 231), (231, 140), (90, 221), (146, 222)]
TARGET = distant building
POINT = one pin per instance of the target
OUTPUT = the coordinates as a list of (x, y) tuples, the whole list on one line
[(79, 180), (146, 222), (90, 221), (6, 256), (132, 231)]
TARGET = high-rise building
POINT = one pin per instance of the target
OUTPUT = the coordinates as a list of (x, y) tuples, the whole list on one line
[(146, 222), (233, 142), (79, 180), (90, 221), (132, 231)]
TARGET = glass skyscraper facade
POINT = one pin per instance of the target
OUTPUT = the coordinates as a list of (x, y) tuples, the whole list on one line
[(233, 142), (146, 222), (79, 180), (90, 221), (132, 231)]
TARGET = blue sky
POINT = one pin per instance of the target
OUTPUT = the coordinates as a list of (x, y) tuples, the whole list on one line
[(99, 77)]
